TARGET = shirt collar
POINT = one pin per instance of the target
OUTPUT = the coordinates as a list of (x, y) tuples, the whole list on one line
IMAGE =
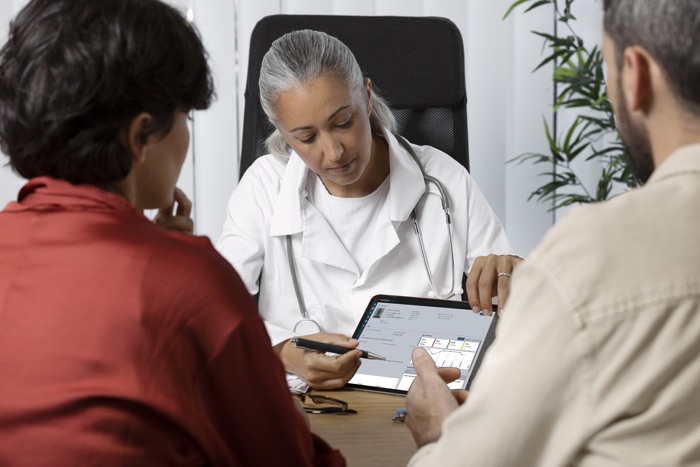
[(682, 161), (405, 181)]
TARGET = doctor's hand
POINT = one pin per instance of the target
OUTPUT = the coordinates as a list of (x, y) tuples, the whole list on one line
[(429, 400), (177, 215), (318, 369), (489, 277)]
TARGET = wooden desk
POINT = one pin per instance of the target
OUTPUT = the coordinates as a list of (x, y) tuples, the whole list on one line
[(369, 437)]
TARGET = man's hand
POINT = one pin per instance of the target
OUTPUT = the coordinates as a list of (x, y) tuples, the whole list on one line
[(177, 215), (429, 400), (490, 277), (317, 369)]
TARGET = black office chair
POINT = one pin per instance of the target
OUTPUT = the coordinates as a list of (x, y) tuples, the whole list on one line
[(416, 63)]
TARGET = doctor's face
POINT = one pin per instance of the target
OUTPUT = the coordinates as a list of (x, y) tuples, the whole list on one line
[(327, 125)]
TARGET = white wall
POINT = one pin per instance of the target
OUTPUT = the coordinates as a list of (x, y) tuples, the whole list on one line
[(507, 103)]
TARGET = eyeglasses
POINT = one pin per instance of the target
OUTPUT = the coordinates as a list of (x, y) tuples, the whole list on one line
[(324, 404)]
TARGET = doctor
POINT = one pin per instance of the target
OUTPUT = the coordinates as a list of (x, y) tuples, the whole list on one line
[(324, 222)]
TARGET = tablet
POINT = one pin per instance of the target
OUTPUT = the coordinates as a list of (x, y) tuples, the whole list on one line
[(392, 326)]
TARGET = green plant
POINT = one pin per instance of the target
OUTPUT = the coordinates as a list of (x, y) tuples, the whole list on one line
[(579, 84)]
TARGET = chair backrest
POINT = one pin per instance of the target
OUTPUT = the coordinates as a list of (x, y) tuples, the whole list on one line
[(415, 63)]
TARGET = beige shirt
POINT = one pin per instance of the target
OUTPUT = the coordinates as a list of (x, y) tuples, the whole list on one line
[(597, 360)]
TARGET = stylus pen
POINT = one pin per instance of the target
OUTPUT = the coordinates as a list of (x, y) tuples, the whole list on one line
[(307, 344)]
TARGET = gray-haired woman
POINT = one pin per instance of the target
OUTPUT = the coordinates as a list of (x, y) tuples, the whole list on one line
[(340, 188)]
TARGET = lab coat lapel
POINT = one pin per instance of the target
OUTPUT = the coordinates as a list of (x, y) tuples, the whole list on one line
[(320, 243), (294, 214), (406, 179), (287, 218), (406, 185)]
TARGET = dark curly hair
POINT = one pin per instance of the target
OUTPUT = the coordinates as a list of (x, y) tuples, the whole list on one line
[(75, 73)]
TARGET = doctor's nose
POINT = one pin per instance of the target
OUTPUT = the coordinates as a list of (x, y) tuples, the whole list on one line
[(333, 149)]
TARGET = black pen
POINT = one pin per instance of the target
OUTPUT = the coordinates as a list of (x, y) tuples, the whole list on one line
[(307, 344)]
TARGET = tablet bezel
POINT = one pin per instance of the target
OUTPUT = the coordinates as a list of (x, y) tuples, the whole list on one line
[(460, 305)]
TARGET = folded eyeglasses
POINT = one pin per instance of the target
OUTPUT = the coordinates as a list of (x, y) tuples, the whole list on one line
[(323, 404)]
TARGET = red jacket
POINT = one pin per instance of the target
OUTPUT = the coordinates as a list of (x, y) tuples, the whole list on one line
[(122, 343)]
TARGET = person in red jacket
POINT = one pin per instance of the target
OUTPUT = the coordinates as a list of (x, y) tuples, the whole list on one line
[(122, 342)]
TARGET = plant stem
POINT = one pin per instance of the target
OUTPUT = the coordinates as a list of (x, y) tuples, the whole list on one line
[(555, 117)]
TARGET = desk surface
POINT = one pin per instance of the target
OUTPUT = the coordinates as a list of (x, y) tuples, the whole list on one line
[(369, 437)]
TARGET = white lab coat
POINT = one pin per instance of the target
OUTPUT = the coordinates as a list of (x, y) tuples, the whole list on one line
[(270, 202)]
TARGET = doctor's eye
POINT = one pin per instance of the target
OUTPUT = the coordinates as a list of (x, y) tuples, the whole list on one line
[(308, 140), (347, 124)]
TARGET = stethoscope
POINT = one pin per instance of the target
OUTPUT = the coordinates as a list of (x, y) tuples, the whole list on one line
[(306, 325)]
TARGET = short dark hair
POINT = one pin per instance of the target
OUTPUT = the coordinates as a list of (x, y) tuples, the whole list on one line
[(74, 74), (670, 31)]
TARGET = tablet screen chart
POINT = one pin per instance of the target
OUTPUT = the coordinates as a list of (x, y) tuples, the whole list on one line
[(458, 353)]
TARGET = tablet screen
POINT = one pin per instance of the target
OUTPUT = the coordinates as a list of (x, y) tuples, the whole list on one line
[(393, 326)]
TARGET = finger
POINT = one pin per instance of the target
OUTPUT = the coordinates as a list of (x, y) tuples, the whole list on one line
[(503, 292), (184, 205), (487, 282), (449, 374), (424, 365), (506, 265), (343, 379), (345, 362), (167, 210), (335, 339), (473, 284), (320, 378), (177, 223), (460, 395), (333, 365), (334, 383)]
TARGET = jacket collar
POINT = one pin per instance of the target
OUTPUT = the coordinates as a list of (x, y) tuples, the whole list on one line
[(405, 181)]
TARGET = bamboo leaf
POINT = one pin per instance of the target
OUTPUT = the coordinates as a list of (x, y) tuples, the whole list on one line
[(569, 134), (537, 4), (513, 7), (578, 151)]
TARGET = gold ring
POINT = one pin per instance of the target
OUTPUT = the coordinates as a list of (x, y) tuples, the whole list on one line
[(503, 274)]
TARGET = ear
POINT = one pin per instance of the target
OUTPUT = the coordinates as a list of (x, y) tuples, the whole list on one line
[(368, 89), (636, 79), (136, 136)]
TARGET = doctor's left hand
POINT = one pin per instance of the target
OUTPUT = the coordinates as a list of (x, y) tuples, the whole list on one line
[(177, 215), (490, 277)]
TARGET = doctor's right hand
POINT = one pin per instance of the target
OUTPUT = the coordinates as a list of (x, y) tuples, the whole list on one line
[(318, 369)]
